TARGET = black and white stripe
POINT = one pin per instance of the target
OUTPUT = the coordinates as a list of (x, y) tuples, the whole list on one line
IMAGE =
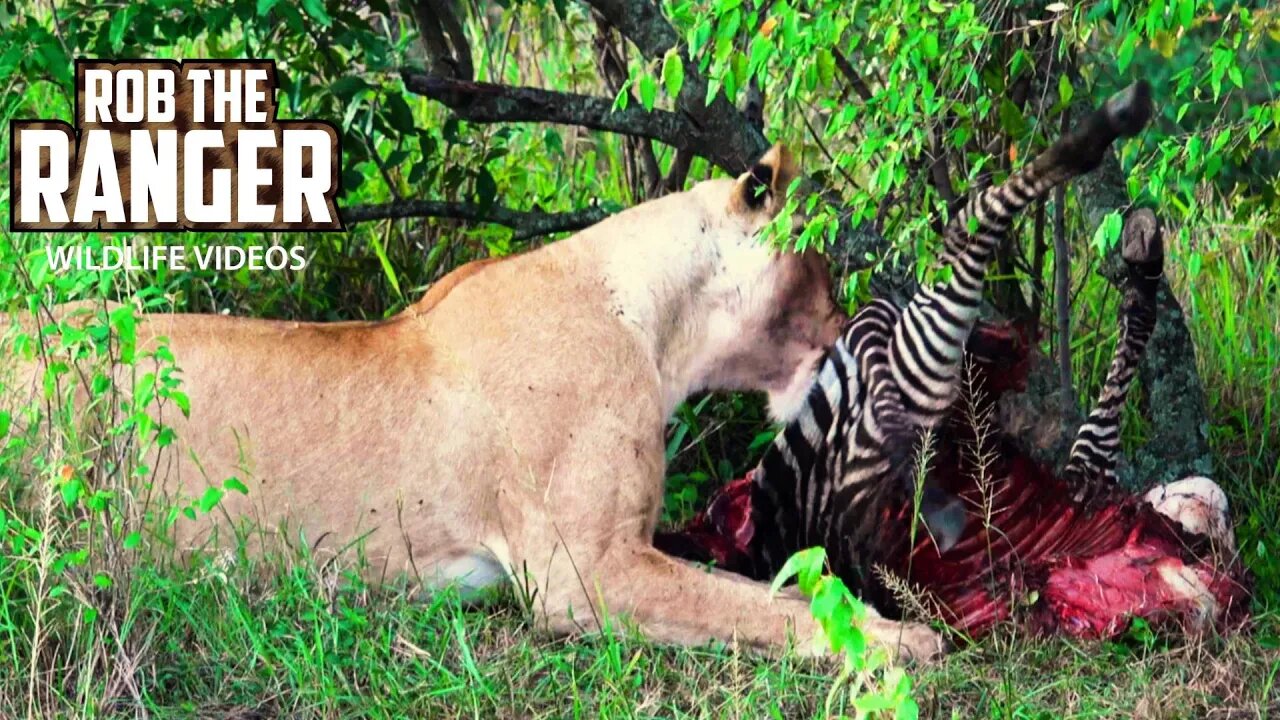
[(895, 371), (1097, 444)]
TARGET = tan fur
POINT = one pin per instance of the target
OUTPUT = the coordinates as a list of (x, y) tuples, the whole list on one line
[(510, 424)]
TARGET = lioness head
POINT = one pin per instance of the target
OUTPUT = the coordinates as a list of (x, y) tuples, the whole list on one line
[(773, 312)]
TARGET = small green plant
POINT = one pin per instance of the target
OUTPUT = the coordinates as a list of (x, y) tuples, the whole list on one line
[(868, 679)]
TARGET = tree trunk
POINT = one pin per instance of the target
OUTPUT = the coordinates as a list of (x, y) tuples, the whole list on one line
[(1178, 445)]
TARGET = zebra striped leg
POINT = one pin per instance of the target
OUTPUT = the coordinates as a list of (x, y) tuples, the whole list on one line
[(827, 472), (887, 426), (1097, 445), (928, 342)]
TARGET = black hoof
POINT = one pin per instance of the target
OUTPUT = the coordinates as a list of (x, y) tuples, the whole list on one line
[(1129, 110), (1142, 241)]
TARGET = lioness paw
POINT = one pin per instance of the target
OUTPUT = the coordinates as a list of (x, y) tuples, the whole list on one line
[(918, 642)]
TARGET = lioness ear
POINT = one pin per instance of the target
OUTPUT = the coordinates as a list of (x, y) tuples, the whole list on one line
[(765, 184)]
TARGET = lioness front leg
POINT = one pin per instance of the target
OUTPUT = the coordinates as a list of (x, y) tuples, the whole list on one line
[(671, 601)]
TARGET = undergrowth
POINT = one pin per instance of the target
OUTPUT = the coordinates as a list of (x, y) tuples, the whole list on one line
[(99, 617)]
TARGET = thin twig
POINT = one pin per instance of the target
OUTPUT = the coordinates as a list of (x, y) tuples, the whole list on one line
[(1062, 289), (489, 103), (1037, 267)]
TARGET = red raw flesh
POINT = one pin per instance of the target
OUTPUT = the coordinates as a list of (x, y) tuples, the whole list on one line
[(1089, 567), (1094, 566)]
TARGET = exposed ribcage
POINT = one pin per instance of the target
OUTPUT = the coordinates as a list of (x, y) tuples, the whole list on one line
[(895, 371)]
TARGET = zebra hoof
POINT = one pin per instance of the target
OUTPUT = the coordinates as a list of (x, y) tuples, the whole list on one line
[(1142, 243), (1129, 110), (944, 517)]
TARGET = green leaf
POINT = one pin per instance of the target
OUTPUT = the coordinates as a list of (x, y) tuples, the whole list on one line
[(1108, 233), (102, 580), (806, 566), (677, 437), (399, 114), (1186, 12), (1065, 91), (1125, 55), (1220, 140), (875, 702), (553, 141), (673, 73), (1011, 118), (71, 490), (1212, 166), (315, 8), (97, 502), (623, 97), (264, 6), (1019, 61), (761, 439), (345, 88), (648, 88), (234, 483), (132, 540), (119, 22), (143, 390), (713, 88), (825, 599), (212, 496), (826, 67), (388, 271)]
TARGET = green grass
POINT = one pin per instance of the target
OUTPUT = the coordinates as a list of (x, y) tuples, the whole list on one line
[(278, 637)]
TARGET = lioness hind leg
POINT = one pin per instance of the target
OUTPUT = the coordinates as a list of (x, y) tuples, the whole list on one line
[(671, 601)]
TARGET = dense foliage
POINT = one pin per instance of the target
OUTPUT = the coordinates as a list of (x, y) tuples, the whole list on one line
[(895, 108)]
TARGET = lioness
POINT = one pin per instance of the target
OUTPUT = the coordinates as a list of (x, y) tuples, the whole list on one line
[(510, 424)]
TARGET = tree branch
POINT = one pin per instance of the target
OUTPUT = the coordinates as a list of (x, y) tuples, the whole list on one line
[(489, 103), (526, 223), (679, 171), (642, 23), (1062, 287), (731, 142), (1037, 267), (851, 75), (717, 130), (940, 170), (448, 52), (611, 58), (725, 136)]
